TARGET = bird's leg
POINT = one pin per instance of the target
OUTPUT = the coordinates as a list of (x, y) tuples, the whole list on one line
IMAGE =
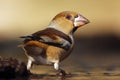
[(60, 71), (29, 64)]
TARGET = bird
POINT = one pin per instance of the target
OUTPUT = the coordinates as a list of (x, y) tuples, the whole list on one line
[(55, 43)]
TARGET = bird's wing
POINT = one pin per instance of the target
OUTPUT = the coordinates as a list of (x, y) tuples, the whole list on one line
[(52, 35), (38, 42), (46, 39)]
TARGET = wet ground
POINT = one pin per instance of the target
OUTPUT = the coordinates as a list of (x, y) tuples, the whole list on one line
[(77, 73)]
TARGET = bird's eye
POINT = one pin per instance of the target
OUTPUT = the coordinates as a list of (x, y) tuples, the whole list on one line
[(76, 16), (68, 17)]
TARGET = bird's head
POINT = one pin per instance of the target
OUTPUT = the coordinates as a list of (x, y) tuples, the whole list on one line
[(68, 21)]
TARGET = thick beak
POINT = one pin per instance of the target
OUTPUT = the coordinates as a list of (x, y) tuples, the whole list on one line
[(80, 21)]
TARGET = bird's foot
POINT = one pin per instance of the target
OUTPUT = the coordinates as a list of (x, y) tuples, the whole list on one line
[(63, 73)]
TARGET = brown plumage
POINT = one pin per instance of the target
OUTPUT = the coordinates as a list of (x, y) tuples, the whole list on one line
[(55, 43)]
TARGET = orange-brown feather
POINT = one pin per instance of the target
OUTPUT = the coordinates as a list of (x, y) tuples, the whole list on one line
[(36, 43)]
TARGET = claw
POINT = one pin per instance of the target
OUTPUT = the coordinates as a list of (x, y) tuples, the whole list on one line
[(63, 73)]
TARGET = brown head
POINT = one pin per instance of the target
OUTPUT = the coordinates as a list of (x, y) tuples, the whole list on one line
[(68, 21)]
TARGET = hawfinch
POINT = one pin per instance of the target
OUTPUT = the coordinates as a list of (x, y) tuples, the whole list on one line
[(55, 43)]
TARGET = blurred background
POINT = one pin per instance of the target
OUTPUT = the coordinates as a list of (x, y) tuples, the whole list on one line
[(96, 44)]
